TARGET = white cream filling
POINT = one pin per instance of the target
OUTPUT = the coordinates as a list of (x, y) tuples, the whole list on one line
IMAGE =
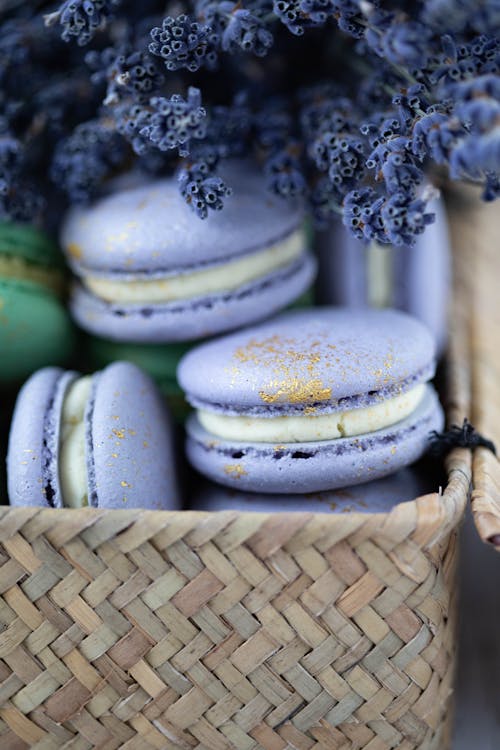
[(379, 274), (221, 278), (73, 476), (304, 429)]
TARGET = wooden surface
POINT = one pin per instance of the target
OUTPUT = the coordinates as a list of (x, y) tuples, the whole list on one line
[(477, 712)]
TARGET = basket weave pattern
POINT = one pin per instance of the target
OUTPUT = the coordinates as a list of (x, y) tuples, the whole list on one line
[(196, 631), (236, 631)]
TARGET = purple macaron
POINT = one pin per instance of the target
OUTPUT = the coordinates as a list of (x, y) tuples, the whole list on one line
[(102, 440), (414, 279), (312, 400), (151, 271), (379, 496)]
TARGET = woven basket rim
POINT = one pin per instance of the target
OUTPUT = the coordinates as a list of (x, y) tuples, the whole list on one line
[(431, 517)]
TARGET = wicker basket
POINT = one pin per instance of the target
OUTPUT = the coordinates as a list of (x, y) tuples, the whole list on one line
[(138, 630)]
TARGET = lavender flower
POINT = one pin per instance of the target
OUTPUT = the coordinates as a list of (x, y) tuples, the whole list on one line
[(172, 123), (298, 15), (395, 164), (434, 135), (81, 18), (415, 83), (128, 73), (284, 174), (201, 188), (362, 214), (399, 42), (457, 16), (403, 218), (183, 43), (18, 200), (84, 159), (246, 31)]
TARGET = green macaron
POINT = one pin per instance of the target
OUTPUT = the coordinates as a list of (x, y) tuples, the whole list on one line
[(35, 329)]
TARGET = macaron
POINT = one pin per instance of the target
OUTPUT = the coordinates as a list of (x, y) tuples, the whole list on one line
[(312, 400), (151, 271), (379, 496), (101, 440), (35, 328), (414, 279)]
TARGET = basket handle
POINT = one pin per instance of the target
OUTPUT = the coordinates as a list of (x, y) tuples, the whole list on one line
[(475, 229)]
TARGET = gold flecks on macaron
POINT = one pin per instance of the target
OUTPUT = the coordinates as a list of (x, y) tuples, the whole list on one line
[(296, 391), (235, 470), (74, 250), (285, 358)]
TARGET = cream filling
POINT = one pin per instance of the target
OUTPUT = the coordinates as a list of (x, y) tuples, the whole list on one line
[(379, 274), (304, 429), (73, 476), (221, 278)]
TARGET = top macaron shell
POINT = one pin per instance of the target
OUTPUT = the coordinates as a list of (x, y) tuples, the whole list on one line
[(330, 358), (150, 230), (132, 453)]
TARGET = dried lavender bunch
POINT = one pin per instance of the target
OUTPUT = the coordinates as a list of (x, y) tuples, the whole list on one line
[(181, 88)]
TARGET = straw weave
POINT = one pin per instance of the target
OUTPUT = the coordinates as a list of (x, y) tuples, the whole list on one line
[(234, 631)]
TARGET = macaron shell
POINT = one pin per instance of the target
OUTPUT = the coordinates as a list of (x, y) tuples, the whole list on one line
[(323, 357), (194, 318), (159, 361), (35, 330), (151, 229), (26, 452), (423, 277), (342, 268), (421, 274), (314, 467), (132, 458), (379, 496)]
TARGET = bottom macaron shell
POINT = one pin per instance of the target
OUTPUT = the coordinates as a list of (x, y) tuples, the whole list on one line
[(313, 467), (195, 318), (27, 452), (379, 496), (132, 462), (35, 330)]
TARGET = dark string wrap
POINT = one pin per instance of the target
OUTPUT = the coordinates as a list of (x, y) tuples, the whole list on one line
[(463, 437)]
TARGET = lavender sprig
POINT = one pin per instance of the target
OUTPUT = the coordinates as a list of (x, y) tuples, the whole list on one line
[(81, 18), (201, 188), (184, 43), (416, 84)]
